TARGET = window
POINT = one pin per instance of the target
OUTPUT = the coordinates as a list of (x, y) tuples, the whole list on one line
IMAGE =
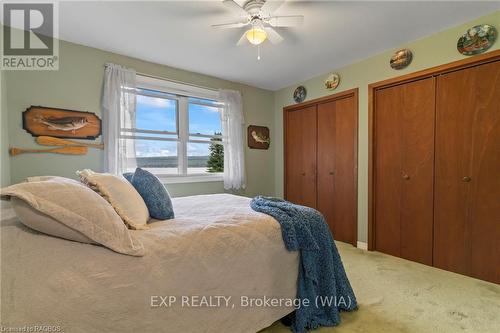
[(177, 133), (204, 146)]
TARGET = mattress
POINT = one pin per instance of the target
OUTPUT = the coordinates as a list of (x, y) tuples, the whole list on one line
[(210, 269)]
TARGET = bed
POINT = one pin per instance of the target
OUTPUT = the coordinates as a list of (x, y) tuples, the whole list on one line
[(216, 246)]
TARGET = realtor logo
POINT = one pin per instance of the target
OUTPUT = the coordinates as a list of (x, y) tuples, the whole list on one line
[(30, 36)]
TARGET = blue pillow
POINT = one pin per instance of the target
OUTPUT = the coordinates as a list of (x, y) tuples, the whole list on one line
[(154, 194), (128, 176)]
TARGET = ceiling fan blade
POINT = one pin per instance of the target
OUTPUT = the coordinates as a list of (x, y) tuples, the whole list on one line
[(243, 40), (273, 36), (230, 25), (272, 5), (286, 21), (235, 8)]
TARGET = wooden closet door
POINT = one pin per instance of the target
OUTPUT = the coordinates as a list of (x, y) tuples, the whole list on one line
[(337, 131), (417, 170), (404, 166), (467, 197), (300, 156), (387, 170)]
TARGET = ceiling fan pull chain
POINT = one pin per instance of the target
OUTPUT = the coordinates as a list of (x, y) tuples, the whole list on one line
[(258, 52)]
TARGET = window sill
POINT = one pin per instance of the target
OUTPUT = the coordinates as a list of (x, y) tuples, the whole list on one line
[(190, 179)]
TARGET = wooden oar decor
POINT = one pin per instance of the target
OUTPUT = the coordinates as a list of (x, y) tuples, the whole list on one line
[(68, 147), (51, 141), (70, 150)]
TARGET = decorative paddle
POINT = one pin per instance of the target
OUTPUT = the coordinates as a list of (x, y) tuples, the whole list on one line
[(51, 141), (70, 150)]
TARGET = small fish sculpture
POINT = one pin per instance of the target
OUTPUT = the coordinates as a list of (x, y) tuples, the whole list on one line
[(63, 123), (259, 138)]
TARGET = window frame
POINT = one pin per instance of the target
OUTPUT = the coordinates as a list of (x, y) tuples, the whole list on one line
[(181, 93)]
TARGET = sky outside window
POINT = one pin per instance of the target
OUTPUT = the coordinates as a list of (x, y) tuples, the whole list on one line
[(159, 114), (204, 118), (155, 113)]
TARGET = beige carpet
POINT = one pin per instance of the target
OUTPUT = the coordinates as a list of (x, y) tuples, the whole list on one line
[(396, 295)]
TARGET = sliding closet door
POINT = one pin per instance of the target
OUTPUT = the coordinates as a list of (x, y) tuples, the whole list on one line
[(404, 163), (467, 197), (337, 131), (300, 156)]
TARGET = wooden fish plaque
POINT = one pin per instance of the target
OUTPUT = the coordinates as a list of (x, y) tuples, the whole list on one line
[(61, 123)]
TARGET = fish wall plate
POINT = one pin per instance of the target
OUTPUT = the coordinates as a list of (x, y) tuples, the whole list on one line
[(61, 123), (258, 137)]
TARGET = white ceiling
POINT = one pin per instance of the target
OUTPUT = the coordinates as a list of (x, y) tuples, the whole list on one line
[(334, 34)]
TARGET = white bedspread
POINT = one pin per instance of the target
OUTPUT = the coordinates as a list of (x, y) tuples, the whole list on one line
[(216, 246)]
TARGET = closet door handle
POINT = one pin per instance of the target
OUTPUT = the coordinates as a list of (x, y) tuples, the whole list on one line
[(466, 179), (405, 176), (331, 173), (302, 173)]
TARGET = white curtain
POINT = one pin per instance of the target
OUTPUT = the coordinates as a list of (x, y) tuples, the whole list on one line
[(118, 112), (232, 136)]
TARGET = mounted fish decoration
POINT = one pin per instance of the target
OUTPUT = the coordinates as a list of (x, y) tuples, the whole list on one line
[(258, 137), (61, 123)]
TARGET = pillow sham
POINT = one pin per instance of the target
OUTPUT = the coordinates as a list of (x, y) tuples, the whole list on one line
[(153, 192), (82, 214), (55, 178), (121, 195), (45, 224)]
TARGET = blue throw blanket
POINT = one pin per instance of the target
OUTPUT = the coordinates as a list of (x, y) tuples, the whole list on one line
[(322, 279)]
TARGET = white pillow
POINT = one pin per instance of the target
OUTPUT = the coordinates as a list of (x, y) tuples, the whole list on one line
[(81, 211), (39, 221), (124, 198)]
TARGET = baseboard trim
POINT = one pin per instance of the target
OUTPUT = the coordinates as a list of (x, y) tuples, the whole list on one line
[(362, 245)]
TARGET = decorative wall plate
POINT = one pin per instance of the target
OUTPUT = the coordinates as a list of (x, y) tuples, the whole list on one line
[(401, 59), (332, 82), (299, 95), (477, 39)]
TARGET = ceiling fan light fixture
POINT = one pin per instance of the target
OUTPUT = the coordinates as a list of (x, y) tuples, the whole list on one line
[(256, 35)]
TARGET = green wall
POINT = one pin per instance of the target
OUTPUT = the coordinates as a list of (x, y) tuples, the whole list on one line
[(4, 135), (433, 50), (77, 85)]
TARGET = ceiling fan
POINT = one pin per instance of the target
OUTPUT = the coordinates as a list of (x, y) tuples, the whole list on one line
[(258, 16)]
